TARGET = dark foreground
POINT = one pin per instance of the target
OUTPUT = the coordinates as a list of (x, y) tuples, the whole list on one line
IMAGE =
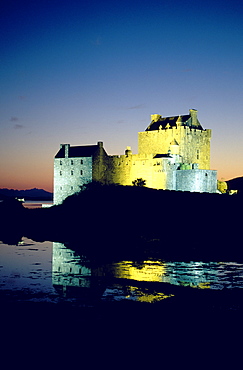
[(117, 222), (204, 326), (195, 327)]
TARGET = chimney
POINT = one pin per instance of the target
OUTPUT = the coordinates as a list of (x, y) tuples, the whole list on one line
[(100, 144), (193, 114), (155, 117), (66, 149)]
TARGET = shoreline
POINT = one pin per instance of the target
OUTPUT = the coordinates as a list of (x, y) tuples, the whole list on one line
[(116, 221)]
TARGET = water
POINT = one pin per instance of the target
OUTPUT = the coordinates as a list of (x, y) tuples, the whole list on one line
[(50, 272), (26, 270), (37, 204), (53, 297)]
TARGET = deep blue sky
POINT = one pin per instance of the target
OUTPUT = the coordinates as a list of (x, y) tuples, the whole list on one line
[(83, 71)]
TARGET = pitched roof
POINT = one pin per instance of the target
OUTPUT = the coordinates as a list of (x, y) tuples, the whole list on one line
[(77, 151), (168, 122)]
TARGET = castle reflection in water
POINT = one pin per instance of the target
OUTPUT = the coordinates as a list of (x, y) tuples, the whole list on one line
[(74, 274)]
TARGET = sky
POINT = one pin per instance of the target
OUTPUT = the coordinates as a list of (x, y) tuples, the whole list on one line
[(84, 71)]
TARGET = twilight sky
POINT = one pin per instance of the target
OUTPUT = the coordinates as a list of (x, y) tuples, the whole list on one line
[(82, 71)]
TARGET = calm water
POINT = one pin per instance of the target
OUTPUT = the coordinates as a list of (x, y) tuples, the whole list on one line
[(51, 272)]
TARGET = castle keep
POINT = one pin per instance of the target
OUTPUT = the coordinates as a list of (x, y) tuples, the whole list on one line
[(173, 154)]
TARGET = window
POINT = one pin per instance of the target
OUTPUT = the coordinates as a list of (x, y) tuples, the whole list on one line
[(71, 162), (71, 172), (60, 163), (60, 173), (81, 172), (71, 187), (81, 161)]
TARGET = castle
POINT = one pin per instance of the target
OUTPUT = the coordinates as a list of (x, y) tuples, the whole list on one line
[(173, 154)]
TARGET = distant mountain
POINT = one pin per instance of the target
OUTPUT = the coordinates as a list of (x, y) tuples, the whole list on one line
[(29, 194), (236, 184)]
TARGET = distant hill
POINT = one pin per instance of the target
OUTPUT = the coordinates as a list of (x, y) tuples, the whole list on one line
[(29, 194), (236, 184)]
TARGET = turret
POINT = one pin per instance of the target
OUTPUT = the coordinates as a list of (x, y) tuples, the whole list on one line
[(179, 121), (128, 151), (174, 147)]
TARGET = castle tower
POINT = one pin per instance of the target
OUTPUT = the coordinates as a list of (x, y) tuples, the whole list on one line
[(75, 166), (193, 142)]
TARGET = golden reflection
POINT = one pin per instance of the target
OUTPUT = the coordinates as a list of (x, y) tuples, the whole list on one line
[(143, 296), (157, 271), (147, 271), (205, 285)]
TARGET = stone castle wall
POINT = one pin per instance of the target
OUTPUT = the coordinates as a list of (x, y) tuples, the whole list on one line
[(196, 180), (125, 169), (193, 144), (176, 157), (161, 173), (69, 175), (99, 164)]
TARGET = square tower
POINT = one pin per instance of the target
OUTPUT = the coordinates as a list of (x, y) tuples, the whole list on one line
[(75, 166), (181, 135)]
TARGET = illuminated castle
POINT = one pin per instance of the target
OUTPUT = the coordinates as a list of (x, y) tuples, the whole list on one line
[(173, 154)]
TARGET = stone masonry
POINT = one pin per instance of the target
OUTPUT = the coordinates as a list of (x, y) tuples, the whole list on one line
[(173, 153)]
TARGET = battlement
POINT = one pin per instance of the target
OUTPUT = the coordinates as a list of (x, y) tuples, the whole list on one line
[(159, 123)]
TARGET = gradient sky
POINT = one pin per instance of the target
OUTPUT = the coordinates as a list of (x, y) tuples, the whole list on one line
[(79, 72)]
